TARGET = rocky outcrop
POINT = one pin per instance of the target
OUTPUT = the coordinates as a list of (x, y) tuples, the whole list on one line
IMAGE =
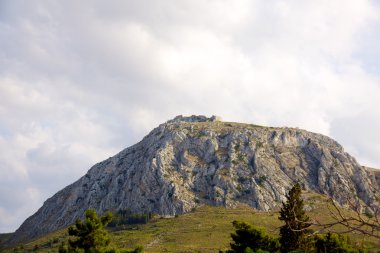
[(190, 161)]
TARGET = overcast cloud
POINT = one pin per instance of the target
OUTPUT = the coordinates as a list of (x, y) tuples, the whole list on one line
[(81, 80)]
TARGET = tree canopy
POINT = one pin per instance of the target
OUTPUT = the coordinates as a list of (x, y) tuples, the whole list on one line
[(248, 238), (90, 234)]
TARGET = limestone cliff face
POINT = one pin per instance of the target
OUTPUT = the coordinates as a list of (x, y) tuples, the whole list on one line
[(190, 161)]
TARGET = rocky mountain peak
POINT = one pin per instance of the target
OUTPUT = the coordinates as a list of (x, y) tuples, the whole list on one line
[(193, 118), (196, 160)]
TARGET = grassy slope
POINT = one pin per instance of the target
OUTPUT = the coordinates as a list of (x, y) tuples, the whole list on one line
[(207, 229)]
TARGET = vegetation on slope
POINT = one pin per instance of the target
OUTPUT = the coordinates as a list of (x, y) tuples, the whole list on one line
[(295, 235), (207, 229)]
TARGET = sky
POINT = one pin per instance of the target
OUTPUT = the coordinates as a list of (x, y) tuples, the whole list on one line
[(82, 80)]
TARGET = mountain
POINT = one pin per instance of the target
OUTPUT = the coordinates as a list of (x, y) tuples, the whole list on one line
[(191, 161)]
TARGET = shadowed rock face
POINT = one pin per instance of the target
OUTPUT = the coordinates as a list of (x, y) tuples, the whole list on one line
[(190, 161)]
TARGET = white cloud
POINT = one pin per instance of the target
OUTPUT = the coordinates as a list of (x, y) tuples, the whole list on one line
[(18, 204), (79, 81)]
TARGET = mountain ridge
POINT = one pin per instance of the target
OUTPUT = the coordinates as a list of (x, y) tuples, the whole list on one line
[(189, 161)]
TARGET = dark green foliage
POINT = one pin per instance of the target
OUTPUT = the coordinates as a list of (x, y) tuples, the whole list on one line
[(36, 247), (262, 251), (369, 214), (49, 244), (333, 243), (260, 181), (293, 233), (19, 249), (138, 249), (251, 239), (240, 157), (63, 248), (126, 217), (90, 234)]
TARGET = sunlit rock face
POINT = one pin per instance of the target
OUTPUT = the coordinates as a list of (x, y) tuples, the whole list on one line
[(191, 161)]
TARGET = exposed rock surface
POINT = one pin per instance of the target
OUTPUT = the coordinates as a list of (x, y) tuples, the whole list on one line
[(189, 161)]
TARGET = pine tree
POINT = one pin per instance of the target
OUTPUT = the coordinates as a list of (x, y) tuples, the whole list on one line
[(293, 233), (91, 236), (248, 239)]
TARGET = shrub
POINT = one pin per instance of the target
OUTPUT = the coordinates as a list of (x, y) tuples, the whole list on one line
[(126, 217), (333, 243)]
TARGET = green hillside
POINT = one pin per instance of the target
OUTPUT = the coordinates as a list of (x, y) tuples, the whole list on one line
[(207, 229)]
